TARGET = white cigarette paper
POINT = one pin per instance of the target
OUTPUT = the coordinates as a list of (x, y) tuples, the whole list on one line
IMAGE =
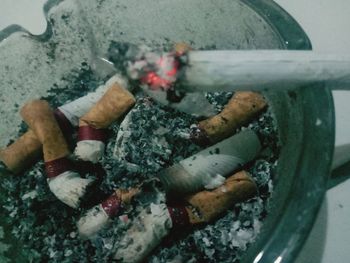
[(69, 187), (225, 70), (92, 222), (208, 168), (90, 150), (149, 228)]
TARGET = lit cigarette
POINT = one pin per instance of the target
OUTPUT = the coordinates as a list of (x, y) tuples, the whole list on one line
[(153, 224), (91, 138), (208, 168), (27, 149), (157, 70), (65, 184), (242, 108), (100, 216), (229, 70)]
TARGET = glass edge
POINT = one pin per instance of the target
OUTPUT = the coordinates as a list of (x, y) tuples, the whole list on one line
[(14, 28), (292, 37), (291, 34)]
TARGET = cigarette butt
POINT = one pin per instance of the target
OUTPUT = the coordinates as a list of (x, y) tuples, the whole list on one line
[(209, 167), (150, 227), (242, 107), (146, 232), (113, 104), (99, 216), (209, 205), (21, 153), (40, 118), (27, 148), (64, 183)]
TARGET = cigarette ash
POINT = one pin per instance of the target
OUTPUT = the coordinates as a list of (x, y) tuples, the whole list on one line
[(154, 137), (218, 99)]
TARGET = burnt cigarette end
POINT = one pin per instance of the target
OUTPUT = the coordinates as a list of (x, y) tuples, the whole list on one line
[(112, 205), (179, 217), (199, 136), (174, 95)]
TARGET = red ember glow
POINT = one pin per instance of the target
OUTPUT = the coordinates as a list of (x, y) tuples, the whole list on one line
[(155, 81)]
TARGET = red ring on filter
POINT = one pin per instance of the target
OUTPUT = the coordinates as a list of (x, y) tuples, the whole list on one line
[(89, 133), (112, 205), (56, 167)]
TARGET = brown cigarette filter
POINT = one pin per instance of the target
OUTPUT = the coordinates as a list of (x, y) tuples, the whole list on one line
[(206, 206), (181, 48), (27, 148), (40, 118), (242, 107), (21, 153), (114, 103)]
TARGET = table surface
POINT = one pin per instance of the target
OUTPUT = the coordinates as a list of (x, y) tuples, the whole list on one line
[(327, 24)]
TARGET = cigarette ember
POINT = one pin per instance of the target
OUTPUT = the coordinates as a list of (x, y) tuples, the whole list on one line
[(146, 140), (157, 70)]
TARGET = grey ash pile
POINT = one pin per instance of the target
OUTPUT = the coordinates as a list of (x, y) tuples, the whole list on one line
[(152, 137)]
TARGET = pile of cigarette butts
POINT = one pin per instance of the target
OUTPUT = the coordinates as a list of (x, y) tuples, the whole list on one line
[(205, 184)]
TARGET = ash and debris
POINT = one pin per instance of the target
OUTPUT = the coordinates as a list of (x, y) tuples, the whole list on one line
[(218, 99), (157, 137)]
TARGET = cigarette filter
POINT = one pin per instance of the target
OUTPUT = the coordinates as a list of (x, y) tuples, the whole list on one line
[(113, 104), (209, 205), (65, 184), (242, 108), (25, 150), (21, 153)]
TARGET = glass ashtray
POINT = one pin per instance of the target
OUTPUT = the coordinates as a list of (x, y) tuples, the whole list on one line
[(67, 59)]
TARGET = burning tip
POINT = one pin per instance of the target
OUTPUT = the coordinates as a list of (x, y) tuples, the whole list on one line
[(158, 71)]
